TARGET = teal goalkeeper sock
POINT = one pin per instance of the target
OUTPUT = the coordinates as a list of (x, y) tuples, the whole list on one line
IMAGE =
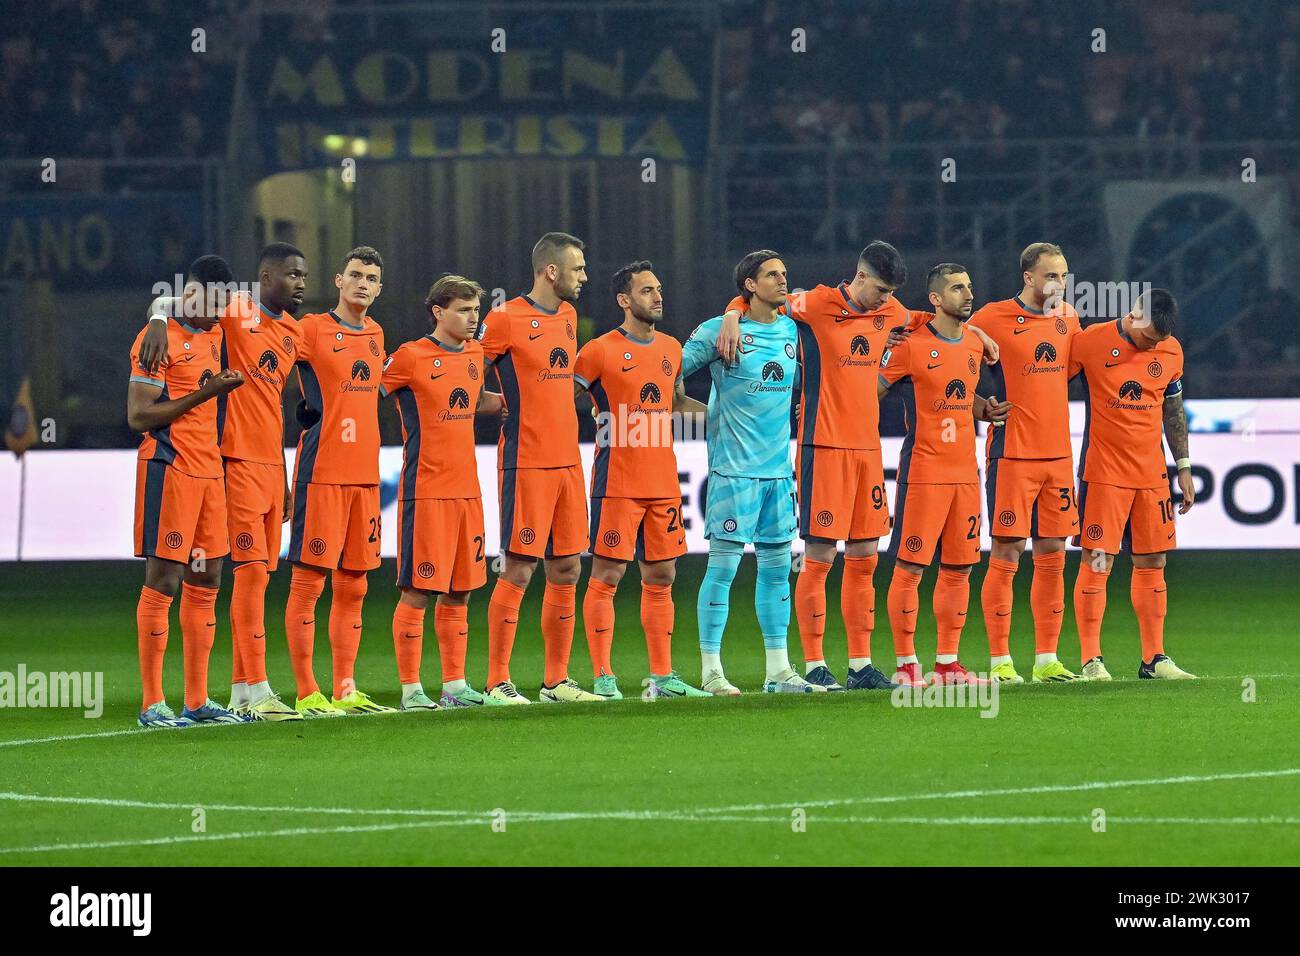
[(772, 593), (715, 593)]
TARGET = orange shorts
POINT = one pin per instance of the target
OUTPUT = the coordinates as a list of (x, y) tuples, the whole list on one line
[(335, 526), (1140, 520), (178, 517), (255, 500), (942, 517), (543, 511), (648, 529), (440, 544), (1031, 498), (841, 493)]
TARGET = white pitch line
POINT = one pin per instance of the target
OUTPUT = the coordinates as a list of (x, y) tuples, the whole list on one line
[(126, 732), (236, 808), (1007, 791), (1075, 821)]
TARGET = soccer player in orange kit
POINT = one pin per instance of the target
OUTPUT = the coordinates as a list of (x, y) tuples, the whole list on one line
[(530, 343), (1132, 370), (631, 374), (1029, 475), (937, 368), (437, 383), (335, 524), (180, 500)]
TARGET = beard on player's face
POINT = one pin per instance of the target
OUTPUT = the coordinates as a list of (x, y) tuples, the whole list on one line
[(648, 314)]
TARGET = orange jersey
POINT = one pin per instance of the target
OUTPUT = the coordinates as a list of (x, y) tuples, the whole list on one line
[(190, 444), (436, 389), (339, 367), (1124, 398), (631, 383), (1031, 375), (840, 348), (940, 376), (263, 346), (531, 350)]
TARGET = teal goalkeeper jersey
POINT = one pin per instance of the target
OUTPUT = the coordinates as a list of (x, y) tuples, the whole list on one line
[(749, 404)]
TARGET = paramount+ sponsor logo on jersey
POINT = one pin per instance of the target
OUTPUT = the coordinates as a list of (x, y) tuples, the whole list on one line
[(267, 365), (558, 363), (859, 350), (1045, 356), (1130, 397), (955, 389), (772, 380), (458, 399), (360, 376)]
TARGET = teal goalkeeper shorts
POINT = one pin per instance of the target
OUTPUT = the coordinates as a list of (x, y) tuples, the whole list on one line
[(750, 510)]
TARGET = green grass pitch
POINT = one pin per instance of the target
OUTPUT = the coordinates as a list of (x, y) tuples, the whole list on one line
[(1184, 773)]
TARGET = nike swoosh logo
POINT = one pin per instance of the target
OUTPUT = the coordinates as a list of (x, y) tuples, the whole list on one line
[(933, 366), (961, 613), (410, 637), (340, 348), (1161, 590), (259, 637), (312, 621), (566, 617), (157, 633), (1057, 610), (356, 627), (212, 624), (189, 358), (510, 620), (786, 598), (601, 630), (537, 336), (822, 614), (716, 604), (463, 633), (1170, 537), (1003, 613), (438, 376), (628, 368), (1111, 364), (1018, 331)]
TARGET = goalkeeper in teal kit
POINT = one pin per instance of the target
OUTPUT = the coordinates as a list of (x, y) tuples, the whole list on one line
[(751, 493)]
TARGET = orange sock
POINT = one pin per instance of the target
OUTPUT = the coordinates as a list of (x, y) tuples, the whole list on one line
[(1150, 600), (903, 602), (559, 607), (657, 613), (951, 599), (349, 593), (1089, 608), (151, 637), (810, 607), (408, 641), (198, 629), (305, 588), (451, 624), (503, 620), (248, 623), (1047, 599), (598, 622), (995, 598), (858, 603)]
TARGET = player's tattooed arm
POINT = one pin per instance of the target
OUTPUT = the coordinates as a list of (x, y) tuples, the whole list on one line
[(1175, 421), (145, 413), (153, 347), (684, 403)]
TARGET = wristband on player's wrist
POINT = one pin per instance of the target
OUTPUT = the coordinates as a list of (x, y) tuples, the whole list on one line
[(1184, 463), (157, 318)]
